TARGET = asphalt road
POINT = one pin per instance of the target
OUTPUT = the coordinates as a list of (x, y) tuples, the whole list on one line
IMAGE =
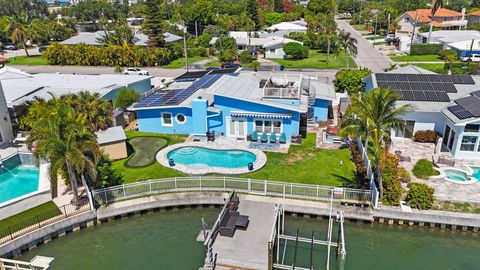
[(368, 56)]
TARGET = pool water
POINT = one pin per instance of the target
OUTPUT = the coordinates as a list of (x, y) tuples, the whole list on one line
[(476, 172), (201, 157), (456, 175), (20, 180), (166, 240)]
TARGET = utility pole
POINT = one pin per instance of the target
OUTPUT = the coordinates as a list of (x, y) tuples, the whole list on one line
[(196, 29), (185, 46), (470, 56), (413, 32)]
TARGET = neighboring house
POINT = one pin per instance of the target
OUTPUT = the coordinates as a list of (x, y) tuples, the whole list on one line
[(274, 48), (112, 142), (118, 118), (19, 90), (447, 104), (465, 48), (295, 26), (444, 19), (446, 37), (231, 104), (474, 18), (94, 38)]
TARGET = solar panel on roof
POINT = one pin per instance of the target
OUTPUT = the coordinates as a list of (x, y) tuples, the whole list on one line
[(460, 112), (223, 71), (476, 94), (442, 96), (431, 96), (419, 95), (471, 104), (408, 95)]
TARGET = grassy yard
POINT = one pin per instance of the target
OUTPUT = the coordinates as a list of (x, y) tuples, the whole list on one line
[(28, 218), (30, 61), (316, 60), (180, 62), (214, 63), (359, 27), (145, 149), (303, 164), (417, 58)]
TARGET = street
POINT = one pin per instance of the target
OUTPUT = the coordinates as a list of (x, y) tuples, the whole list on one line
[(367, 56)]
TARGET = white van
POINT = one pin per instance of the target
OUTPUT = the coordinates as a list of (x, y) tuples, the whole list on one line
[(472, 58)]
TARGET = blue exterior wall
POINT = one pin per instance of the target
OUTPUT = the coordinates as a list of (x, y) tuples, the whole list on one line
[(320, 110), (199, 114), (150, 121)]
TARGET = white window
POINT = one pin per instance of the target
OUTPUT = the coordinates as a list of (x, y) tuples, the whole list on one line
[(181, 119), (468, 143), (268, 126), (273, 50), (167, 119)]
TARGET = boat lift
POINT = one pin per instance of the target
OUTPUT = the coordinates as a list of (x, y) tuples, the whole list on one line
[(339, 245)]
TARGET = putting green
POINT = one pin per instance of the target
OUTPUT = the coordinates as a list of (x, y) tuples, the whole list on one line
[(145, 150)]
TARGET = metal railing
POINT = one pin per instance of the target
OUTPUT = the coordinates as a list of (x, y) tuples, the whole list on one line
[(28, 225), (7, 264), (210, 183), (283, 93), (370, 174)]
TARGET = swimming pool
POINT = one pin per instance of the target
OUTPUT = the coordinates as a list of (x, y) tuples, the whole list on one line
[(476, 172), (456, 176), (18, 181), (200, 157)]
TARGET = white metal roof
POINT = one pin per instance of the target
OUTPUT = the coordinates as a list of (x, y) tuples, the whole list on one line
[(466, 45), (451, 36), (110, 135), (287, 26), (93, 38)]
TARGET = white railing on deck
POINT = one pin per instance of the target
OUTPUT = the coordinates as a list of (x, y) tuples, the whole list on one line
[(370, 175), (211, 183)]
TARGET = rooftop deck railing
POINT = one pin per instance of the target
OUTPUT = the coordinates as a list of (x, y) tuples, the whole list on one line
[(210, 183), (284, 93)]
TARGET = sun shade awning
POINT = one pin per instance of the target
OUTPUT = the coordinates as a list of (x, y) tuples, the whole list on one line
[(262, 115)]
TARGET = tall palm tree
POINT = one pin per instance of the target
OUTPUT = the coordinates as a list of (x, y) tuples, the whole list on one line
[(18, 32), (330, 28), (377, 114), (436, 5), (97, 111), (348, 43), (61, 136)]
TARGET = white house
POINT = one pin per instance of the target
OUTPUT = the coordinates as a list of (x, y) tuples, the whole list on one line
[(446, 37), (447, 104), (296, 26), (93, 38)]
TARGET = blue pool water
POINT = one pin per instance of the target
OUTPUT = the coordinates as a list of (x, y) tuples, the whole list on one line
[(20, 180), (476, 172), (199, 156), (456, 175)]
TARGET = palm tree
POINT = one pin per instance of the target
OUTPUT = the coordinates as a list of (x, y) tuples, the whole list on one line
[(61, 136), (97, 111), (436, 5), (376, 114), (18, 33), (348, 43), (329, 29)]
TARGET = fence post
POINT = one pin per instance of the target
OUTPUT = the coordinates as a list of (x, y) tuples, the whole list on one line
[(249, 185), (291, 188), (200, 177), (224, 182), (10, 232), (65, 211), (38, 221), (124, 194), (150, 184), (265, 182), (317, 190), (105, 194), (175, 182)]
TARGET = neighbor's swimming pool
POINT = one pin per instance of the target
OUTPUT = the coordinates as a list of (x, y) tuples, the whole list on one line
[(17, 180), (201, 157)]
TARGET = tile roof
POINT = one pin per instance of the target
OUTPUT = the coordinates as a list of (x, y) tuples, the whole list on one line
[(425, 14), (474, 13)]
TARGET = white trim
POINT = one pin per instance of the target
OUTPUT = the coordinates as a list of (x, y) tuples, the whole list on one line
[(162, 119), (263, 125), (184, 121), (236, 120)]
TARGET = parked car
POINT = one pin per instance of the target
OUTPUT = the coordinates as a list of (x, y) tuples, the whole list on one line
[(10, 47), (42, 48), (391, 38), (135, 71), (230, 65), (473, 58)]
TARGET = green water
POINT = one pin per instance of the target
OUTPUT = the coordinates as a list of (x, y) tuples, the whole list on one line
[(166, 240)]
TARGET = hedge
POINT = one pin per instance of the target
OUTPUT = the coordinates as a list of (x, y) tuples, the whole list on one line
[(111, 55), (424, 49), (424, 169), (420, 196), (425, 136)]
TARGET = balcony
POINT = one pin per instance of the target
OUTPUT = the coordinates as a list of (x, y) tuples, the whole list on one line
[(283, 87)]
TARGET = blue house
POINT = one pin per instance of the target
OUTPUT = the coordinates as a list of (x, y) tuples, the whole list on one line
[(233, 105)]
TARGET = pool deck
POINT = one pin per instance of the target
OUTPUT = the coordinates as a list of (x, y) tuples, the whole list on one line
[(247, 249)]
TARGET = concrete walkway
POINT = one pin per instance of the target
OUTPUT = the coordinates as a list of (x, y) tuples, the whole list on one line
[(368, 56)]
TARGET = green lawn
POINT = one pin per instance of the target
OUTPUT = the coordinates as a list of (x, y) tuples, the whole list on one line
[(28, 218), (303, 164), (419, 58), (214, 63), (145, 149), (31, 61), (180, 62), (359, 27), (316, 60)]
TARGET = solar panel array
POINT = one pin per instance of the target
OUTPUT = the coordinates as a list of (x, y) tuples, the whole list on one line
[(467, 107), (422, 87), (176, 96)]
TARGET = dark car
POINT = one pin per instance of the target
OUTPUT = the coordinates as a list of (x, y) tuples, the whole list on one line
[(212, 68), (42, 48), (10, 47), (230, 65)]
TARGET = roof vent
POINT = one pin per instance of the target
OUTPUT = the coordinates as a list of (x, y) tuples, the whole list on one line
[(199, 97)]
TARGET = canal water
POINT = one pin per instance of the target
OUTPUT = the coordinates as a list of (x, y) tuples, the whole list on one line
[(166, 240)]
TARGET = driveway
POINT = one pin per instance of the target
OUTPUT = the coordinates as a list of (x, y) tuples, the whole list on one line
[(367, 56)]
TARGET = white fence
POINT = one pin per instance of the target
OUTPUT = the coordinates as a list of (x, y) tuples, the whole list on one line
[(370, 175), (204, 183)]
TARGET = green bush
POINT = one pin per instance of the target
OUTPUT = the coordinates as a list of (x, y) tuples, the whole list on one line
[(227, 56), (350, 81), (362, 178), (404, 175), (445, 53), (245, 57), (424, 49), (295, 50), (424, 169), (420, 196), (125, 97), (392, 187), (198, 51), (425, 136), (203, 40)]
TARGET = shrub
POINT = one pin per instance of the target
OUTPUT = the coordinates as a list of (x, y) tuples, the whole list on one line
[(392, 187), (350, 81), (420, 196), (424, 49), (425, 136), (125, 97), (444, 54), (227, 56), (404, 175), (295, 50), (363, 181), (203, 40), (198, 51), (245, 57), (424, 169)]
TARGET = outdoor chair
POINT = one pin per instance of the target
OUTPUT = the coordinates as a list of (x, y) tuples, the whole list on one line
[(227, 224), (254, 136), (273, 138), (283, 138), (264, 138)]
